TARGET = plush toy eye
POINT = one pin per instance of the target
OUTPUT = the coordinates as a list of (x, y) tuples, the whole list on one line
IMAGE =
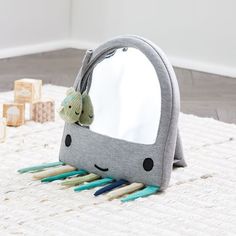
[(68, 140), (69, 106), (148, 164), (82, 112)]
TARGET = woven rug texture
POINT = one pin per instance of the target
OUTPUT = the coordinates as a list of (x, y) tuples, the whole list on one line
[(201, 199)]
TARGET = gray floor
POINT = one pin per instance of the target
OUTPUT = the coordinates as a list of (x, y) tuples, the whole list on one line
[(202, 94)]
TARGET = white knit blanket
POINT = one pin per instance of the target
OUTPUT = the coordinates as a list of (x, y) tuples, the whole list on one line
[(201, 199)]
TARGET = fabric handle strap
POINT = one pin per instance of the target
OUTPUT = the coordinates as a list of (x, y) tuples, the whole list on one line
[(82, 71), (81, 83)]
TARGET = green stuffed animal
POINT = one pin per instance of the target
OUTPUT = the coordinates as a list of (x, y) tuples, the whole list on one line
[(87, 115), (71, 106), (77, 108)]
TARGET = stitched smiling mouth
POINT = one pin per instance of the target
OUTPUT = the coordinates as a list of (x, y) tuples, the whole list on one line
[(77, 113), (100, 168), (91, 116)]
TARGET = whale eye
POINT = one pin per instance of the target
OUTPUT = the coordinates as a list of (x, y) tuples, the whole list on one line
[(68, 140), (148, 164), (69, 106)]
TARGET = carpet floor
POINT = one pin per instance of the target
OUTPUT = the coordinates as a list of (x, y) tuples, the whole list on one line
[(201, 199)]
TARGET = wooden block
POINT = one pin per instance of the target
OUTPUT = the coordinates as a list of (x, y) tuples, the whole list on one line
[(43, 110), (27, 90), (14, 113), (2, 129)]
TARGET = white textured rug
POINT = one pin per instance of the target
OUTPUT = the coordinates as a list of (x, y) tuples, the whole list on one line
[(201, 199)]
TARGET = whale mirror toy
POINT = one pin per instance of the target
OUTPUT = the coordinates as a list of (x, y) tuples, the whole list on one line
[(135, 96), (123, 124)]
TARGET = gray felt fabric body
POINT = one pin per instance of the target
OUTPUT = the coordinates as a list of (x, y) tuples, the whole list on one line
[(122, 158)]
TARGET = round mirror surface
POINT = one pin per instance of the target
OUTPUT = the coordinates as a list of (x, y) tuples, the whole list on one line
[(126, 96)]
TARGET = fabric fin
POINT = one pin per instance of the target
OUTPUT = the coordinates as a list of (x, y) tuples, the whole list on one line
[(93, 184), (54, 171), (111, 187), (64, 175), (124, 190), (40, 167), (142, 193), (80, 180)]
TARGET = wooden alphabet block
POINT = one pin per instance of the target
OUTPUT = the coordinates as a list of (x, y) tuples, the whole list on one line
[(2, 129), (43, 110), (14, 113), (27, 90)]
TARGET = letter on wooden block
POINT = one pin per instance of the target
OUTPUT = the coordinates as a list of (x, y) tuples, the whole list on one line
[(2, 129), (27, 90), (43, 110), (14, 113)]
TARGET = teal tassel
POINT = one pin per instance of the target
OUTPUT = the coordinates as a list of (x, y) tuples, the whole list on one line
[(93, 184), (64, 175), (142, 193), (40, 167)]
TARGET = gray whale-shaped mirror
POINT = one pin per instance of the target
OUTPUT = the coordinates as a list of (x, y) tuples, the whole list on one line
[(134, 135)]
